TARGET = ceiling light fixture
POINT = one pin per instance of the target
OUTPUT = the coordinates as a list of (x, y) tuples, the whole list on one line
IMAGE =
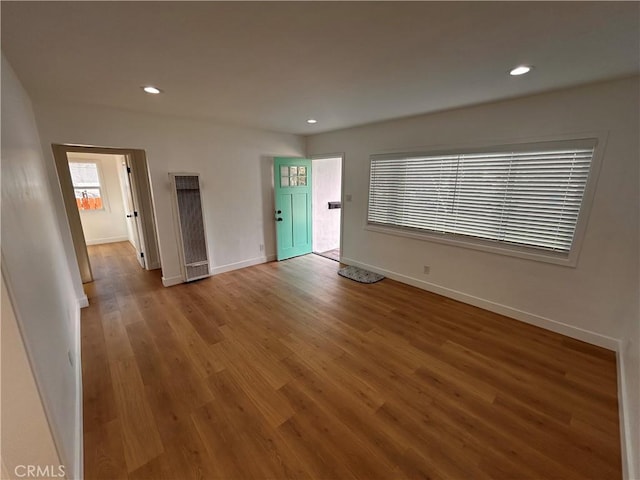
[(520, 70), (152, 90), (312, 121)]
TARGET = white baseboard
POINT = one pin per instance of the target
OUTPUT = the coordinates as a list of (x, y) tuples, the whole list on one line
[(78, 459), (624, 427), (247, 263), (171, 281), (83, 301), (100, 241), (593, 338), (629, 459), (175, 280)]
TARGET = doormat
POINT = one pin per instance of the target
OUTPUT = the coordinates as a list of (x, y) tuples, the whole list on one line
[(360, 275)]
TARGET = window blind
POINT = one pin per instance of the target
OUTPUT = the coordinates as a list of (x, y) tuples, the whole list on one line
[(84, 174), (527, 195)]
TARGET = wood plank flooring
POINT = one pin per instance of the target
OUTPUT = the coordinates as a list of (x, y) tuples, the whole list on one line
[(289, 371)]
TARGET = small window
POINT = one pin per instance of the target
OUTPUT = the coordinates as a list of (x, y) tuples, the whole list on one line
[(514, 197), (86, 185)]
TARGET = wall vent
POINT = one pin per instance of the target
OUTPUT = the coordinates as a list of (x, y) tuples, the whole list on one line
[(190, 225)]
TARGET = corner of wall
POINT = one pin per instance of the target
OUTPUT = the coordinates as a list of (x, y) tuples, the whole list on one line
[(78, 453), (624, 427), (44, 323), (305, 145), (171, 281), (83, 302), (630, 456)]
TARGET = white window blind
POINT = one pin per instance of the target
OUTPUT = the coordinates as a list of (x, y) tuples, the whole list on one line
[(84, 174), (526, 195)]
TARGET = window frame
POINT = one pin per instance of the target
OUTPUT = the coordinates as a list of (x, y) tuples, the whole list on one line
[(496, 247), (103, 195)]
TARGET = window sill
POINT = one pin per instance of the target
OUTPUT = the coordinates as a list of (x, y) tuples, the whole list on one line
[(481, 245)]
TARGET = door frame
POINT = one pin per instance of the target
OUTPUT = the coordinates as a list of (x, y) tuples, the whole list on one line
[(341, 157), (309, 208), (133, 225), (140, 187)]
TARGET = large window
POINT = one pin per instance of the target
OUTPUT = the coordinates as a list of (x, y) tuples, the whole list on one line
[(86, 185), (523, 196)]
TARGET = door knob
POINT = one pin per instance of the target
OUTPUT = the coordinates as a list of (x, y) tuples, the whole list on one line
[(279, 219)]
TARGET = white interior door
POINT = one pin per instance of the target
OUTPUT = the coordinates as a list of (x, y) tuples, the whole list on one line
[(134, 226), (128, 205)]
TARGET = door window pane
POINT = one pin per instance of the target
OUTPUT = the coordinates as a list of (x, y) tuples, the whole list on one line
[(293, 176)]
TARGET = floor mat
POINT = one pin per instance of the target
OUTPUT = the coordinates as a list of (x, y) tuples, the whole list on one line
[(360, 275)]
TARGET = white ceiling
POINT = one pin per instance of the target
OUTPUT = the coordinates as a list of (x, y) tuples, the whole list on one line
[(272, 65)]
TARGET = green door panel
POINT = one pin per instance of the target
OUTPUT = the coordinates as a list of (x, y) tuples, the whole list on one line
[(300, 220), (292, 185), (285, 226)]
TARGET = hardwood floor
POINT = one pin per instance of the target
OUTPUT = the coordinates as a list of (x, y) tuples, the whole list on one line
[(289, 371)]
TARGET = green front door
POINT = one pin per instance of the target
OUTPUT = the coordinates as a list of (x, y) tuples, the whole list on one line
[(292, 183)]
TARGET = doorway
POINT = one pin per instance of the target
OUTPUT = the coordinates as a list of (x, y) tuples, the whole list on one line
[(327, 205), (292, 191), (107, 198)]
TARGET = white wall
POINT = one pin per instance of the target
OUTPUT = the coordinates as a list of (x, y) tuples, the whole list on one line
[(26, 436), (598, 300), (235, 166), (629, 359), (108, 225), (35, 265), (326, 177)]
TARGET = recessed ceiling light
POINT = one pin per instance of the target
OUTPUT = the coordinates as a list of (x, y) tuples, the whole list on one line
[(312, 120), (152, 90), (520, 70)]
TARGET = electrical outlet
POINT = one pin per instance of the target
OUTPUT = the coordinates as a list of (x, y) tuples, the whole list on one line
[(427, 269)]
